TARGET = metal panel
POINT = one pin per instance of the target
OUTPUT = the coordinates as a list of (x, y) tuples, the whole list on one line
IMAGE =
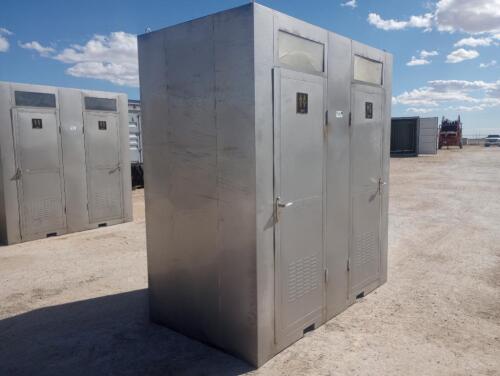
[(72, 140), (299, 189), (366, 181), (104, 182), (428, 135), (39, 172), (201, 129), (264, 170), (6, 150), (337, 173)]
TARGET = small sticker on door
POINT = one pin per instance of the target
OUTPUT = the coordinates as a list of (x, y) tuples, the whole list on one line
[(102, 125), (339, 114), (302, 105)]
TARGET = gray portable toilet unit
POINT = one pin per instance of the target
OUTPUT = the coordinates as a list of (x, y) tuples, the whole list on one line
[(266, 155), (428, 135), (62, 153)]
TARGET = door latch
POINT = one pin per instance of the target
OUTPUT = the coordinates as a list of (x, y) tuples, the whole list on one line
[(381, 183), (278, 205), (17, 175)]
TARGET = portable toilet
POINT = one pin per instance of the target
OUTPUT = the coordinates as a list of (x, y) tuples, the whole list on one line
[(266, 152), (64, 162)]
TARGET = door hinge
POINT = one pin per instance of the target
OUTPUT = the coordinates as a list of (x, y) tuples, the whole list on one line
[(326, 276), (65, 210), (326, 118), (348, 264), (350, 118), (59, 129)]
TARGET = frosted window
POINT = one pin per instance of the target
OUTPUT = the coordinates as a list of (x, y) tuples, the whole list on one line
[(300, 54), (27, 98), (100, 104), (367, 70)]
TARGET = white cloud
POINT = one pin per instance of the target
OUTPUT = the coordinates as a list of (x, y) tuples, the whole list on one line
[(110, 57), (460, 95), (4, 31), (492, 63), (420, 110), (423, 22), (350, 3), (427, 96), (425, 54), (470, 16), (448, 85), (423, 60), (375, 20), (414, 61), (44, 51), (474, 42), (460, 55), (4, 41)]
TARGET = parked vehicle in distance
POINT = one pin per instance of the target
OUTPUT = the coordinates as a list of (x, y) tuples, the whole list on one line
[(492, 140), (450, 133)]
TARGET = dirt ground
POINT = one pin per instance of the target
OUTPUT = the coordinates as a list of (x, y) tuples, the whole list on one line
[(76, 304)]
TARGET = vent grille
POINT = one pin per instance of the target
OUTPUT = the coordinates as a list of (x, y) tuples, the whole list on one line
[(303, 277), (364, 246)]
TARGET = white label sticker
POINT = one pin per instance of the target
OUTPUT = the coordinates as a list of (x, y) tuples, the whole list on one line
[(339, 114)]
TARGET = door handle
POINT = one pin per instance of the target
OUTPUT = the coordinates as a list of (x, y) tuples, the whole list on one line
[(381, 183), (283, 204), (278, 205)]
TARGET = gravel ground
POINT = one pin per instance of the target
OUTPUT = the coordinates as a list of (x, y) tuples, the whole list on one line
[(76, 304)]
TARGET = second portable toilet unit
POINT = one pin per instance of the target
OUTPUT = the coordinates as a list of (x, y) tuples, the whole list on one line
[(64, 161), (266, 153)]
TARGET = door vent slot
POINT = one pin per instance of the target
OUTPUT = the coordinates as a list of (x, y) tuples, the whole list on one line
[(310, 328), (360, 295), (102, 225), (51, 234)]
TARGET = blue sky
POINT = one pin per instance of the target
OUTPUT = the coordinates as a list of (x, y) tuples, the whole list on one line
[(446, 52)]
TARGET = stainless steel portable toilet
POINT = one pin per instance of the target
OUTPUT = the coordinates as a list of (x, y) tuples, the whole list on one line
[(62, 153), (266, 153)]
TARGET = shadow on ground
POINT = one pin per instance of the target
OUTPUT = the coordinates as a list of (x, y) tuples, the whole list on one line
[(111, 335)]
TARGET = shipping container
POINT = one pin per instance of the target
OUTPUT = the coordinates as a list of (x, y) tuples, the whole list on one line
[(404, 137), (412, 136)]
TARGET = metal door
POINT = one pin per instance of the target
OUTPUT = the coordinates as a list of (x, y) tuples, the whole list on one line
[(299, 123), (39, 174), (366, 186), (104, 182)]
